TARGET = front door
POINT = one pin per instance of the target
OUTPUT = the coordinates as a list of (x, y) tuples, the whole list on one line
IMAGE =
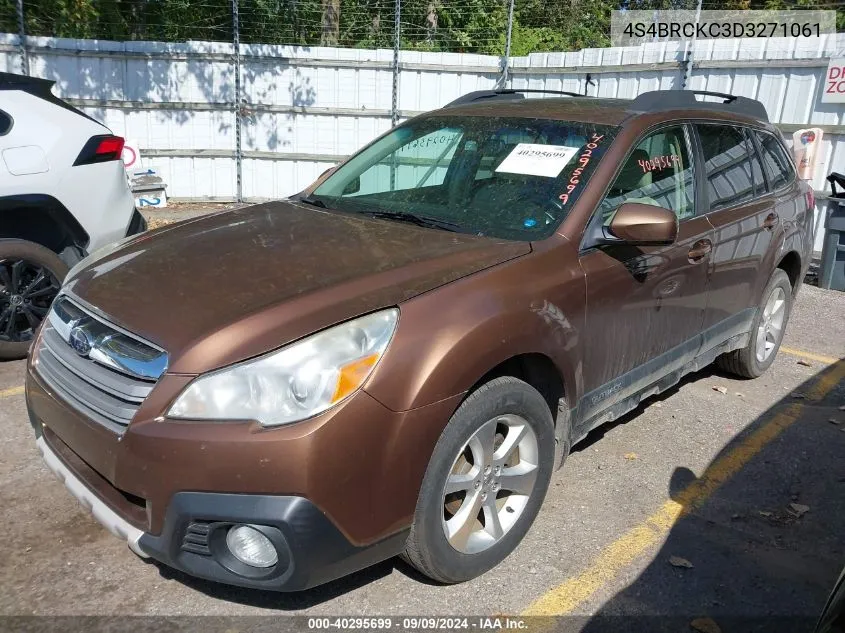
[(645, 305)]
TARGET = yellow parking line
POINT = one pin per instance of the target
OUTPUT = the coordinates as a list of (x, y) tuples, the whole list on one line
[(564, 598), (8, 393), (827, 360)]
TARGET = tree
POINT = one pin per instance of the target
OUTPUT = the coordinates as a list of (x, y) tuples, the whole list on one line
[(331, 23)]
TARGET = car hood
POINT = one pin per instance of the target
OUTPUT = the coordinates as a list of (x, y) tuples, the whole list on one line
[(232, 285)]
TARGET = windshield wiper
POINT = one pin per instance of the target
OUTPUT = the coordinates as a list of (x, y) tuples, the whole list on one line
[(314, 202), (419, 220)]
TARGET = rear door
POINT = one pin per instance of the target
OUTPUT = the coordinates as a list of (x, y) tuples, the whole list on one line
[(745, 222), (645, 304)]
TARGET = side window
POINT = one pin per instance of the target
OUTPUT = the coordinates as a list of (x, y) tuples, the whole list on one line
[(420, 163), (727, 165), (757, 178), (5, 123), (658, 171), (778, 165)]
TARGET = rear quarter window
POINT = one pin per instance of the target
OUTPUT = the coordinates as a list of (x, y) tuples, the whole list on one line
[(778, 166), (5, 123), (728, 165)]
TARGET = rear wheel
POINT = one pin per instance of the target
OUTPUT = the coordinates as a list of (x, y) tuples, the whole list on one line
[(485, 483), (766, 331), (30, 278)]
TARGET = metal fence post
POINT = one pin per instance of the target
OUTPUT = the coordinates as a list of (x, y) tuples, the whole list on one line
[(503, 80), (691, 52), (236, 40), (394, 109), (22, 40)]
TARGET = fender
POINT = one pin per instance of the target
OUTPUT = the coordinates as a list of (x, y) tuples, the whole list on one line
[(486, 319)]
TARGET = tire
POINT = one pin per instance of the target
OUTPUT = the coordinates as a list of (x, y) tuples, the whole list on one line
[(746, 362), (507, 405), (19, 322)]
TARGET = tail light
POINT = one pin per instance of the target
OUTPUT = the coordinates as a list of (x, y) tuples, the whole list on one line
[(100, 149)]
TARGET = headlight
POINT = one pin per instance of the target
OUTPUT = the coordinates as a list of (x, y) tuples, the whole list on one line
[(295, 382)]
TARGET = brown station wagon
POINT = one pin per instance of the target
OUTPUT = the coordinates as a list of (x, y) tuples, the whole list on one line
[(396, 360)]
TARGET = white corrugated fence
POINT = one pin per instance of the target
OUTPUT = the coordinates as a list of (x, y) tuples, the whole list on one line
[(305, 108)]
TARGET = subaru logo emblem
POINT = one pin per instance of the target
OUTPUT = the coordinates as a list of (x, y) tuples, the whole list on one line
[(79, 341)]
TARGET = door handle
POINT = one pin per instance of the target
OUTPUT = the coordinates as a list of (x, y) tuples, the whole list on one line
[(699, 251), (771, 221)]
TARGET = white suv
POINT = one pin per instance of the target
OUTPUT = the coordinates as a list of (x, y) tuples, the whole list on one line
[(63, 194)]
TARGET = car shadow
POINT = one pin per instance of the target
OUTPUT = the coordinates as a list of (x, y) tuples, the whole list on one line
[(759, 541)]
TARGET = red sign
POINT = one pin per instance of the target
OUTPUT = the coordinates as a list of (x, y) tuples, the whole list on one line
[(833, 90)]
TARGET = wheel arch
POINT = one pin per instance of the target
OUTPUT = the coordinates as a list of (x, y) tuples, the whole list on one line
[(536, 369), (44, 220), (791, 264)]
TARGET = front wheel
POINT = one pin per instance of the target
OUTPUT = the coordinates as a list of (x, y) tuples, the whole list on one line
[(30, 278), (485, 483), (767, 331)]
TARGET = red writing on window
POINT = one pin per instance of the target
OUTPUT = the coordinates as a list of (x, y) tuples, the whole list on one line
[(659, 162), (583, 161)]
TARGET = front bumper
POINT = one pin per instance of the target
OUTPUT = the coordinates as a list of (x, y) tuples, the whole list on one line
[(340, 489), (311, 550), (107, 517)]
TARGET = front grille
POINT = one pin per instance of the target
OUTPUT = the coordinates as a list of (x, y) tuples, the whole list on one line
[(196, 538), (97, 369)]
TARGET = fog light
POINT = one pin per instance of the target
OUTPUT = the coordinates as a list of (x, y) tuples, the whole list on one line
[(251, 547)]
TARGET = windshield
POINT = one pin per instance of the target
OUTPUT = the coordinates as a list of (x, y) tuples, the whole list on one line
[(512, 178)]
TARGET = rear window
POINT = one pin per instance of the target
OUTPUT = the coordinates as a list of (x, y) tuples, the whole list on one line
[(727, 164), (512, 178), (778, 166), (5, 123)]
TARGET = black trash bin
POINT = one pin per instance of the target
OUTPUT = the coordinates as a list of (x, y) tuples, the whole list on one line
[(832, 267)]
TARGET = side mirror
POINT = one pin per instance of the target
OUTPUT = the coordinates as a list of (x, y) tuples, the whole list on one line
[(644, 225), (353, 186)]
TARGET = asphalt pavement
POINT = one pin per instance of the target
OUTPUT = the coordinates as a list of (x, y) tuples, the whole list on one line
[(702, 505)]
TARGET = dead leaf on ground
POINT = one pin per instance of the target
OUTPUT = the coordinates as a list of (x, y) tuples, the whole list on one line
[(764, 513), (795, 394), (842, 408), (631, 456), (834, 421), (705, 625), (740, 395), (720, 389), (799, 508), (677, 561), (805, 363)]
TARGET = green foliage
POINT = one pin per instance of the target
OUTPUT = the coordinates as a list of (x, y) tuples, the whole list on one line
[(474, 26)]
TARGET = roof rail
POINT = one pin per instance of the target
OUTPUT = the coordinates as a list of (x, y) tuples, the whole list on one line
[(672, 99), (504, 93)]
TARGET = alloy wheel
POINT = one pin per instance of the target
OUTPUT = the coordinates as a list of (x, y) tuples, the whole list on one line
[(26, 291), (490, 483), (770, 329)]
